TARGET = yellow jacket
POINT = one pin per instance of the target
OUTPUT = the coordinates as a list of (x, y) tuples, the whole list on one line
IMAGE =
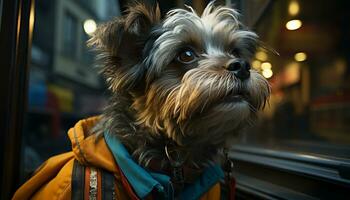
[(89, 171)]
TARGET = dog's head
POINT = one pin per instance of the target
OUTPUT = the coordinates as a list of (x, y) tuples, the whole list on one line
[(187, 76)]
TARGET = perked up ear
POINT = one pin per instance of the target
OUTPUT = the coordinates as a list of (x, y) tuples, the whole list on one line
[(119, 44)]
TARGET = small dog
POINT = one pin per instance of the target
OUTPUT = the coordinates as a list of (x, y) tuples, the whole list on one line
[(180, 84)]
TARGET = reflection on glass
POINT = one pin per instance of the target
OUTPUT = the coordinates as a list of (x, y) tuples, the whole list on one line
[(309, 110), (64, 86)]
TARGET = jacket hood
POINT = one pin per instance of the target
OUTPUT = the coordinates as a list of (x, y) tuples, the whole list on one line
[(88, 149)]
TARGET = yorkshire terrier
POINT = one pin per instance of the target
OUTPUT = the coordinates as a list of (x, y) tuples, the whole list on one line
[(182, 87)]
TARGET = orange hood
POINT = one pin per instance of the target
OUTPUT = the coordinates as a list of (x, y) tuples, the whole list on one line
[(89, 150), (52, 180)]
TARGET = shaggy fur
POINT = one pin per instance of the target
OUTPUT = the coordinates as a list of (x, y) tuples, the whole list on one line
[(157, 99)]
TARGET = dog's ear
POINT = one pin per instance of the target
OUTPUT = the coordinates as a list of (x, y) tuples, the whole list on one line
[(119, 44)]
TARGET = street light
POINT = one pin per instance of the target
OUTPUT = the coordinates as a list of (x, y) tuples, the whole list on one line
[(89, 26)]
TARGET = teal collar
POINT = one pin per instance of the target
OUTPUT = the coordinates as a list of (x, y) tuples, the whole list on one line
[(144, 182)]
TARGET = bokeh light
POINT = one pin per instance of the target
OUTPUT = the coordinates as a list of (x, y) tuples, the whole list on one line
[(89, 26), (256, 64), (293, 24), (267, 73), (261, 55), (293, 8), (301, 56), (266, 66)]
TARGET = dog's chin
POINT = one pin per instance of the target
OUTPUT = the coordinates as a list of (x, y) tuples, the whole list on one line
[(229, 113), (233, 104), (219, 123)]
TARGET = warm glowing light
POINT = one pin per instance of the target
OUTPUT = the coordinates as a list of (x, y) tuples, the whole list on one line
[(293, 24), (256, 64), (261, 55), (292, 73), (266, 66), (31, 19), (89, 26), (293, 8), (301, 56), (267, 73)]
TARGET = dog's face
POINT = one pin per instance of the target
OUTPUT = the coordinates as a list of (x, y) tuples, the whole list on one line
[(187, 76)]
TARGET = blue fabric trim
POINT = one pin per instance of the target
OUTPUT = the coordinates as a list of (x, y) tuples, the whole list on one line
[(143, 181), (164, 180), (209, 178)]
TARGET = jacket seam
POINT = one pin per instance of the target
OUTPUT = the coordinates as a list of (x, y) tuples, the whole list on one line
[(79, 147)]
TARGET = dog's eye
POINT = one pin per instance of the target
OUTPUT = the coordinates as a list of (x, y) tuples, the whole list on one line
[(187, 56)]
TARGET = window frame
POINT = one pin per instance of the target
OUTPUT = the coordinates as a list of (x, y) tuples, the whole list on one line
[(266, 173), (17, 21)]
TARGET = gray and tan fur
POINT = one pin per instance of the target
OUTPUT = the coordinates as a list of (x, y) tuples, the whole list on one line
[(157, 99)]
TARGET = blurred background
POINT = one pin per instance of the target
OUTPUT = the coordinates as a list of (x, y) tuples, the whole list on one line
[(305, 56)]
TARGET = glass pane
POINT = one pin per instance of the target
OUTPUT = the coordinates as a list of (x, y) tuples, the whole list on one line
[(69, 32), (64, 87), (309, 109)]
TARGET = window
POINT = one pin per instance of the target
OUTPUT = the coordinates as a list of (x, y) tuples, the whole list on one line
[(64, 87), (309, 108), (70, 26), (300, 146)]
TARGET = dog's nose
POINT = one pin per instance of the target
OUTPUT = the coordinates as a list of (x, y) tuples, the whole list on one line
[(240, 69)]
